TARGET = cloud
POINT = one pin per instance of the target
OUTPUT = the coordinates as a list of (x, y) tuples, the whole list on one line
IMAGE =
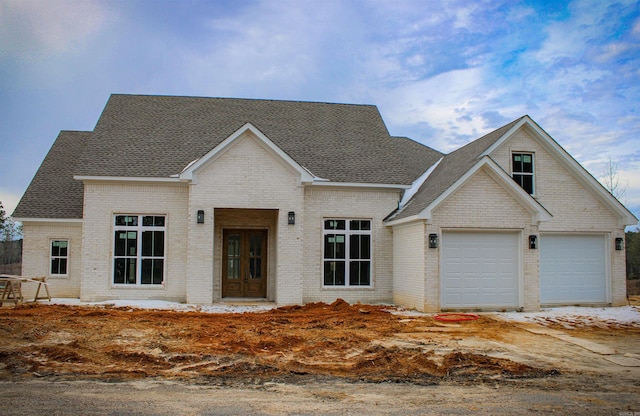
[(282, 49), (29, 28), (443, 73)]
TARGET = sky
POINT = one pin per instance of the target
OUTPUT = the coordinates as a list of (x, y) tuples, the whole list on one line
[(441, 72)]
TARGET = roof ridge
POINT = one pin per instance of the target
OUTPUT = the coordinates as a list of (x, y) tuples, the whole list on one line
[(203, 97)]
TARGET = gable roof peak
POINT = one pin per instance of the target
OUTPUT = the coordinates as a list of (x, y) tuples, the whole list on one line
[(346, 143)]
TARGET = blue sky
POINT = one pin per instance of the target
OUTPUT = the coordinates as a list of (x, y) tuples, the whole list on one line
[(440, 72)]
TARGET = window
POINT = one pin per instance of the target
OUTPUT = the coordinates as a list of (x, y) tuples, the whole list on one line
[(347, 252), (522, 168), (138, 250), (59, 257)]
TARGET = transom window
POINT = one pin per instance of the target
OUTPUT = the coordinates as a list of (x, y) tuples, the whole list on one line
[(347, 252), (59, 257), (522, 168), (138, 250)]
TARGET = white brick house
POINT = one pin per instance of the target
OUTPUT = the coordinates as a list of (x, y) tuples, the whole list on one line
[(202, 200)]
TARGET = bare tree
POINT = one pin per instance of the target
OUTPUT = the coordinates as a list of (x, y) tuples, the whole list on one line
[(4, 223), (611, 180)]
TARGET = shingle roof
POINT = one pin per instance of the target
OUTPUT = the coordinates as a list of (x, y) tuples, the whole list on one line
[(451, 168), (53, 193), (158, 136)]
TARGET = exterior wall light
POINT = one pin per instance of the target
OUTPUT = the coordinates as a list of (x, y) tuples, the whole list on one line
[(200, 217), (433, 240), (291, 218), (533, 242), (619, 243)]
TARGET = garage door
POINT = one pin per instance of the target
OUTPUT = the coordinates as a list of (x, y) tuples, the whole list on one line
[(572, 269), (480, 270)]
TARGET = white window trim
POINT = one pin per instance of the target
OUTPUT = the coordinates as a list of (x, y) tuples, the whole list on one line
[(533, 168), (139, 257), (348, 233), (51, 257)]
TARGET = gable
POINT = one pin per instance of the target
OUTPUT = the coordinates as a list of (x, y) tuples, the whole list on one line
[(247, 174), (482, 200), (498, 176), (159, 136), (574, 197), (443, 176), (250, 160)]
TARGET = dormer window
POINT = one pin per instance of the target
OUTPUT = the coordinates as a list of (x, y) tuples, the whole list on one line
[(522, 169)]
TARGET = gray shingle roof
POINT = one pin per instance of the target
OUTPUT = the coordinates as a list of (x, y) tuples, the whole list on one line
[(158, 136), (453, 166), (53, 193)]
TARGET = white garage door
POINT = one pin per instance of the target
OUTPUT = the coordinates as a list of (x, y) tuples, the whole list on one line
[(572, 269), (480, 270)]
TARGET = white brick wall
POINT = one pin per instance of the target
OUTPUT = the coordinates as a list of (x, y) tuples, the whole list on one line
[(409, 249), (36, 252), (321, 203), (574, 208), (247, 179), (247, 175), (101, 202), (483, 204), (250, 176)]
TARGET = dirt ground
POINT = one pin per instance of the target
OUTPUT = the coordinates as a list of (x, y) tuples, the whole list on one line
[(315, 343)]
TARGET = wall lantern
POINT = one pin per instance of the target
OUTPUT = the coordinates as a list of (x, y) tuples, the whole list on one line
[(533, 242), (433, 240), (200, 217), (619, 243), (292, 218)]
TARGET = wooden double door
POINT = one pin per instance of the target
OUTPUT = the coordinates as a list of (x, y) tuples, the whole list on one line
[(244, 268)]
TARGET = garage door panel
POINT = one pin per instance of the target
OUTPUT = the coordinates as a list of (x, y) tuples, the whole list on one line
[(480, 270), (572, 269)]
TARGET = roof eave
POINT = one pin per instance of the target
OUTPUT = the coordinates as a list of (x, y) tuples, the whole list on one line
[(405, 220), (48, 220), (125, 179), (360, 185)]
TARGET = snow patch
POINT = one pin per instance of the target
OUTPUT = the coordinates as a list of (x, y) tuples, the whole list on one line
[(170, 306), (572, 316)]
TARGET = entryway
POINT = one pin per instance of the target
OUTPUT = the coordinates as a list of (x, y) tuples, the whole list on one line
[(244, 267)]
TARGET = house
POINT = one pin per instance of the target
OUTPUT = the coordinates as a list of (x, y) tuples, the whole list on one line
[(201, 200)]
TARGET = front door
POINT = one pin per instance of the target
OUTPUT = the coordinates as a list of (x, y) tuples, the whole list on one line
[(244, 268)]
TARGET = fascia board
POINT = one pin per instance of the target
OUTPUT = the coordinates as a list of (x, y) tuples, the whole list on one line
[(417, 184), (48, 220), (501, 140), (624, 215), (124, 179), (538, 212), (413, 218), (359, 185), (583, 175), (188, 174)]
